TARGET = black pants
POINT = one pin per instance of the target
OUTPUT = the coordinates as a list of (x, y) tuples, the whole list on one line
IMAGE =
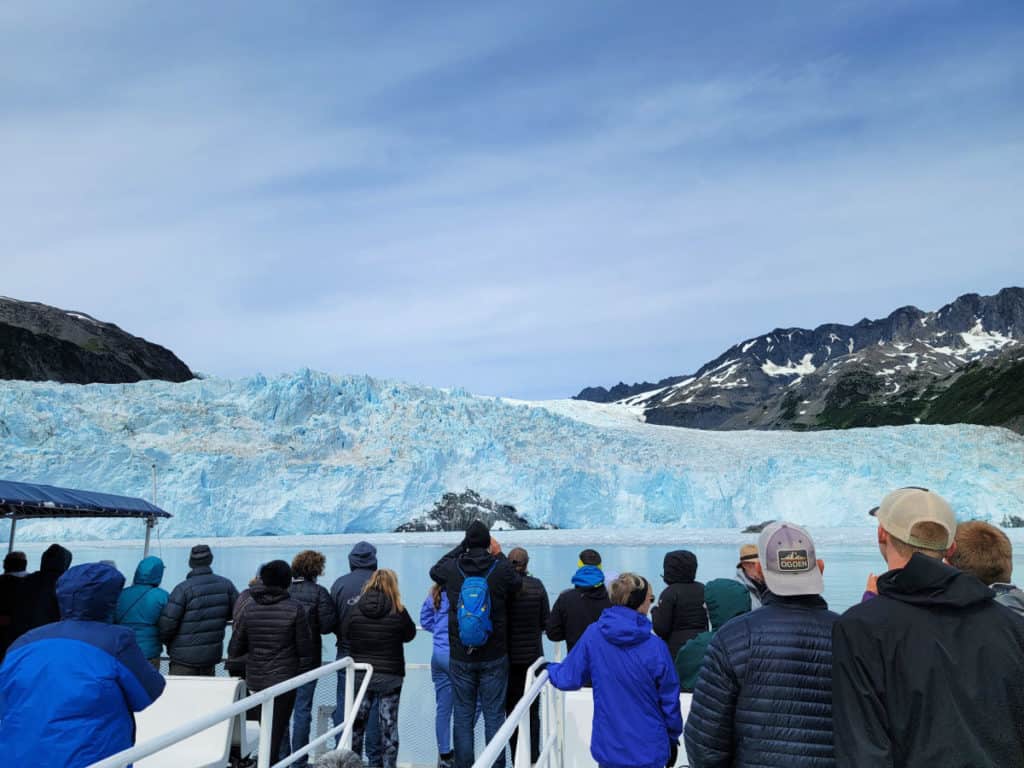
[(514, 692), (177, 668), (283, 706)]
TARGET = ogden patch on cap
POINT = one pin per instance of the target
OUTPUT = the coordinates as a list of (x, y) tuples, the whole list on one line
[(789, 561), (906, 508)]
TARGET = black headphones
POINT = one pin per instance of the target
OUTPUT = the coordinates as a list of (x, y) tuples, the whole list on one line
[(638, 595)]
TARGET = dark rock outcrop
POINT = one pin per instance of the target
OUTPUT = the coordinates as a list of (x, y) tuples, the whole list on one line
[(42, 343), (455, 511)]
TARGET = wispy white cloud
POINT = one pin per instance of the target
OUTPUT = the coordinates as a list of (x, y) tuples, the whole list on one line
[(492, 200)]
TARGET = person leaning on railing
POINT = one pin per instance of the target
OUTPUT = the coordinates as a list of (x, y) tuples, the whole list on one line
[(637, 719)]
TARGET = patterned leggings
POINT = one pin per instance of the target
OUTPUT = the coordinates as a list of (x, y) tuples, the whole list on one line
[(388, 725)]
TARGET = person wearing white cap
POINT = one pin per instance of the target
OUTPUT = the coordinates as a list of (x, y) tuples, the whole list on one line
[(764, 693), (931, 672)]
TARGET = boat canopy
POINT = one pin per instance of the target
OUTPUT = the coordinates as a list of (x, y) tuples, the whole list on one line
[(29, 501)]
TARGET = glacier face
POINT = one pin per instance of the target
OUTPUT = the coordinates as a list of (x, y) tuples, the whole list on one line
[(312, 453)]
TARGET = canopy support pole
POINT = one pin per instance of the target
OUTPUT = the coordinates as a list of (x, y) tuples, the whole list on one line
[(10, 543), (150, 522)]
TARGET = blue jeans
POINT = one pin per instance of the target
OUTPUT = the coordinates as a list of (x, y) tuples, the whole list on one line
[(443, 696), (302, 715), (371, 741), (486, 680)]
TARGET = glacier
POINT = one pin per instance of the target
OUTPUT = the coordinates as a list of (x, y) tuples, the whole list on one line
[(312, 453)]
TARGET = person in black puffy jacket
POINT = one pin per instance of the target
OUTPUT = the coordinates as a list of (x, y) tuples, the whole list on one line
[(307, 566), (193, 621), (272, 634), (764, 694), (680, 614), (375, 629), (527, 615)]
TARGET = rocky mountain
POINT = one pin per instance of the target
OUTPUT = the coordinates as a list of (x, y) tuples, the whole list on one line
[(42, 343), (455, 511), (961, 363)]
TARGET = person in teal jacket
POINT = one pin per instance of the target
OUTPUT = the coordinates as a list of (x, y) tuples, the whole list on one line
[(140, 605), (725, 599)]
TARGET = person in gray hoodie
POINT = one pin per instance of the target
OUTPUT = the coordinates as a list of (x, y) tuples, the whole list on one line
[(984, 551), (362, 562)]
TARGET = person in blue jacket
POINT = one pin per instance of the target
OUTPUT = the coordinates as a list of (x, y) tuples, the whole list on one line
[(68, 689), (139, 607), (637, 720)]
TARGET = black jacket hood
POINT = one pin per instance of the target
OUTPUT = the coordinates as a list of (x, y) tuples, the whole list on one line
[(374, 604), (265, 595), (476, 561), (680, 567), (930, 582)]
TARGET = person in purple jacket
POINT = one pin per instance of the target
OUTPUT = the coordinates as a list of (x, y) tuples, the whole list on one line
[(434, 618)]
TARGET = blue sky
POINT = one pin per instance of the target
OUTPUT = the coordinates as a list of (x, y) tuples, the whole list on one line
[(520, 198)]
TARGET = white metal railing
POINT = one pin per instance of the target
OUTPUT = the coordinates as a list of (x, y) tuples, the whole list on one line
[(519, 718), (265, 699)]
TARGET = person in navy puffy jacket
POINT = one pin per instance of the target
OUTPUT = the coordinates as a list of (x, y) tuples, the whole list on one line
[(764, 693), (637, 720), (68, 689)]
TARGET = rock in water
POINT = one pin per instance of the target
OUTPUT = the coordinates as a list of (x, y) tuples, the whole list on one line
[(455, 511)]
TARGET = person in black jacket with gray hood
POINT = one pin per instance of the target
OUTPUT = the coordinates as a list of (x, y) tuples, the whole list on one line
[(680, 614), (931, 671), (272, 635), (362, 562), (375, 629), (193, 621)]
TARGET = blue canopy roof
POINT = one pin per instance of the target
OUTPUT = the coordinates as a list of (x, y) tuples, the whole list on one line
[(28, 500)]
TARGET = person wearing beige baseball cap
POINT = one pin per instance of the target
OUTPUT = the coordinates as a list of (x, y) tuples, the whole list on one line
[(931, 671), (750, 574)]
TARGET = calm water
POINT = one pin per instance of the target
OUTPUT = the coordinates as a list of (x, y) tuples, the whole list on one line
[(848, 563)]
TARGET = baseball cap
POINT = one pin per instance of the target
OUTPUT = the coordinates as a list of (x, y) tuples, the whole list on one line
[(904, 509), (788, 560), (748, 552)]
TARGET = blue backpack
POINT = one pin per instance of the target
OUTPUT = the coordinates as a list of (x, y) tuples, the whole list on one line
[(474, 609)]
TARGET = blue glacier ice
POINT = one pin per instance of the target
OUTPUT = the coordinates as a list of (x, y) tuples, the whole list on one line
[(313, 453)]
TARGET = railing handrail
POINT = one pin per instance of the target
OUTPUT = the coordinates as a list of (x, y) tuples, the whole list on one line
[(521, 710), (240, 707)]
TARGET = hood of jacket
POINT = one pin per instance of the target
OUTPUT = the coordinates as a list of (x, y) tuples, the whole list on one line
[(725, 599), (680, 567), (926, 581), (55, 559), (149, 572), (363, 555), (374, 604), (476, 561), (623, 626), (265, 595), (588, 577), (89, 592)]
